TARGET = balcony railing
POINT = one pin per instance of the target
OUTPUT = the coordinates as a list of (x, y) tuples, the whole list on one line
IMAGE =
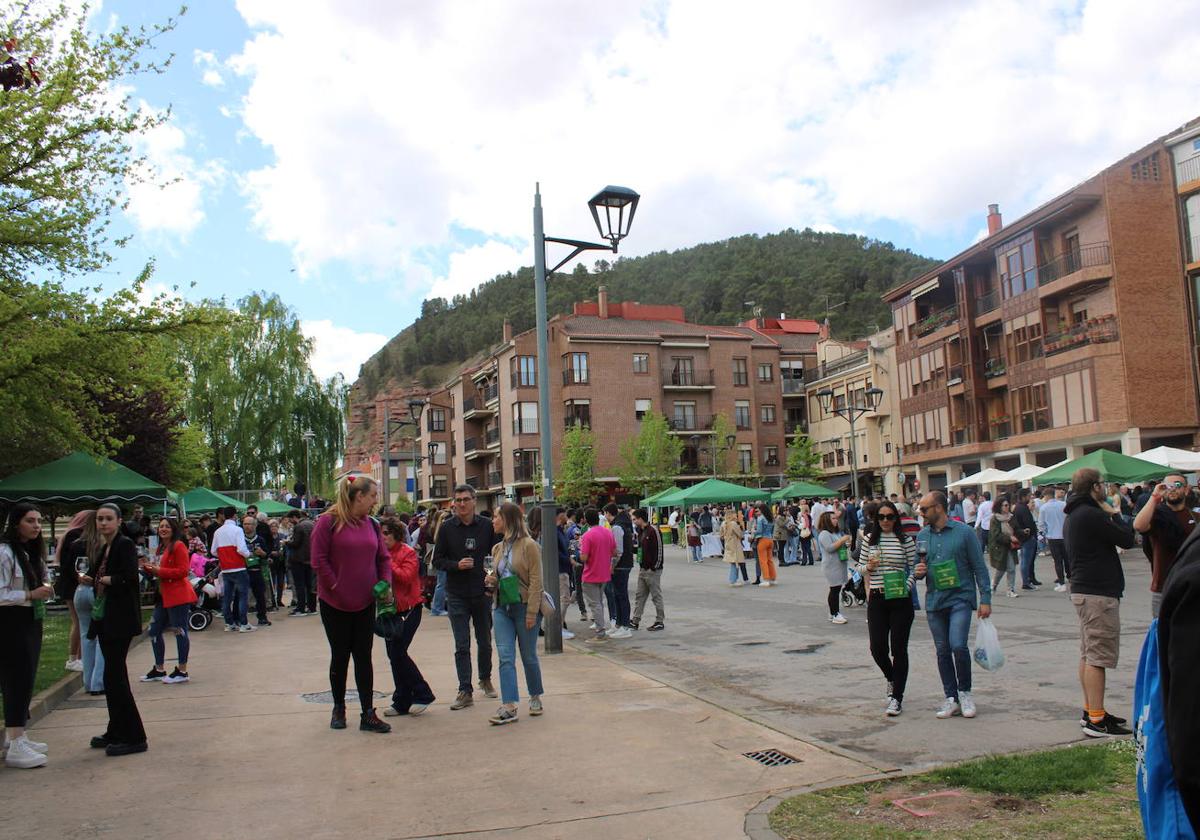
[(793, 427), (961, 435), (793, 387), (470, 404), (994, 367), (494, 479), (1000, 427), (844, 363), (491, 392), (1071, 261), (575, 377), (936, 320), (519, 380), (492, 437), (475, 481), (1093, 331), (987, 302), (687, 378), (695, 423), (471, 444), (523, 473), (954, 375), (1187, 170)]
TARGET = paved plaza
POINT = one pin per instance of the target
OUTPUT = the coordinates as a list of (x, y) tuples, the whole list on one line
[(643, 739)]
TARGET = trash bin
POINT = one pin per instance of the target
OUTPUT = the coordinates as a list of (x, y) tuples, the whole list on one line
[(667, 534)]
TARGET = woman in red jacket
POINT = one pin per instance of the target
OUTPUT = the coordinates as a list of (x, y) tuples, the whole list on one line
[(412, 695), (174, 601)]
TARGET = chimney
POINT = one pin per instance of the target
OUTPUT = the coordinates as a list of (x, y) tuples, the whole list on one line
[(994, 220), (507, 330), (824, 331), (603, 294)]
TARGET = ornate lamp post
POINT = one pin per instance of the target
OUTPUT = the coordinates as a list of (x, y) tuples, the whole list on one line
[(851, 412)]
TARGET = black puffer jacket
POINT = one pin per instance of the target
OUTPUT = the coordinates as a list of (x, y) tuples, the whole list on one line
[(1092, 538), (1178, 656)]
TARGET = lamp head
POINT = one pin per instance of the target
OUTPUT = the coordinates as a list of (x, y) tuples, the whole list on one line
[(415, 407), (619, 204), (730, 440), (874, 395), (825, 395)]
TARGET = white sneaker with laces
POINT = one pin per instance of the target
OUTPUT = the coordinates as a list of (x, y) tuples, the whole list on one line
[(246, 628), (1060, 587), (592, 626), (948, 709), (621, 633), (74, 665), (567, 634), (837, 619), (612, 624), (22, 756), (893, 708), (966, 704)]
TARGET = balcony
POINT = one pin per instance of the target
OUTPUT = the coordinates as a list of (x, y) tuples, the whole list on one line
[(692, 423), (1093, 331), (492, 438), (474, 407), (494, 479), (575, 377), (491, 393), (936, 320), (473, 449), (793, 388), (994, 367), (475, 481), (523, 474), (1069, 262), (954, 375), (1187, 171), (518, 379), (844, 363), (687, 378), (1000, 428), (987, 302), (962, 435), (793, 427)]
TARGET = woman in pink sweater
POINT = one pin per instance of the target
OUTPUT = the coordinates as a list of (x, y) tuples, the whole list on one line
[(348, 558)]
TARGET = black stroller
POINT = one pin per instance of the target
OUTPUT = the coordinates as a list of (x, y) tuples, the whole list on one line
[(207, 602), (854, 591)]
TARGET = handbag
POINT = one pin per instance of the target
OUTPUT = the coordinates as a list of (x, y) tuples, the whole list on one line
[(944, 574), (99, 607), (508, 587), (895, 584)]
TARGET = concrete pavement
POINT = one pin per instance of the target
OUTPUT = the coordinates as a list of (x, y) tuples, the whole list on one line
[(239, 752)]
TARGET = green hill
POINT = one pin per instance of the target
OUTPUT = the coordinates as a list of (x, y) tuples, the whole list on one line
[(803, 273)]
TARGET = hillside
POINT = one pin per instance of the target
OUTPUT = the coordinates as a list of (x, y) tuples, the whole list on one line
[(803, 273)]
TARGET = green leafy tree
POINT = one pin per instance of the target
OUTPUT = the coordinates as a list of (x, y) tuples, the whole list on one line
[(575, 483), (722, 428), (650, 461), (803, 461)]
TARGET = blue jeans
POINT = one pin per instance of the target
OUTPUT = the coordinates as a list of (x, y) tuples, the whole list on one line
[(235, 597), (165, 618), (789, 551), (438, 605), (509, 623), (620, 586), (1028, 555), (950, 628), (93, 659), (695, 552)]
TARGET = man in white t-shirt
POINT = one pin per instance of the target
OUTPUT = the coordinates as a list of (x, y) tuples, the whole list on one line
[(983, 519), (969, 508), (673, 524), (818, 508)]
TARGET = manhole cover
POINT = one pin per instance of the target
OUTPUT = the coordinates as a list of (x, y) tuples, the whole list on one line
[(771, 758), (327, 697)]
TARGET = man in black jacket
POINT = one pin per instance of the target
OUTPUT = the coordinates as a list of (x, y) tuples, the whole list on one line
[(1025, 530), (1092, 533), (649, 583), (463, 545), (622, 529), (1179, 666), (304, 597)]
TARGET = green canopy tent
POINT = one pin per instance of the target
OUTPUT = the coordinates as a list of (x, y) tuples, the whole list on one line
[(273, 508), (1112, 466), (652, 499), (800, 490), (712, 491), (203, 500), (80, 478)]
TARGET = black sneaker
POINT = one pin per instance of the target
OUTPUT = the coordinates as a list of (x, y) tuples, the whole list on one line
[(176, 676), (370, 722), (125, 749), (1120, 721), (1107, 728), (633, 625), (154, 675), (100, 742), (338, 720), (262, 622), (658, 625)]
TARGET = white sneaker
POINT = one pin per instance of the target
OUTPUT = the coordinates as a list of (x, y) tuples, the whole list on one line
[(893, 708), (36, 746), (738, 583), (966, 704), (766, 583), (612, 624), (74, 665), (417, 708), (246, 628), (592, 626), (567, 634), (1012, 593), (1060, 587), (948, 709), (231, 628), (837, 619), (23, 756), (621, 633)]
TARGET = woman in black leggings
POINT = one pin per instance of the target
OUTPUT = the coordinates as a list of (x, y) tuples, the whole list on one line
[(888, 560), (349, 558)]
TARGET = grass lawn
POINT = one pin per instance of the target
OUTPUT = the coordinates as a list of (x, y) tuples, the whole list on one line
[(1083, 791)]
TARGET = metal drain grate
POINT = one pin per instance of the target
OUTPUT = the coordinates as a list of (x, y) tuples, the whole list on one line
[(771, 758)]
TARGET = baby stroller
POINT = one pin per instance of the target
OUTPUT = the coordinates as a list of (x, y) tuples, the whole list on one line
[(854, 592), (208, 599)]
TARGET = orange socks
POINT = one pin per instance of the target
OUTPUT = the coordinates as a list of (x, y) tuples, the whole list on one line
[(1096, 715)]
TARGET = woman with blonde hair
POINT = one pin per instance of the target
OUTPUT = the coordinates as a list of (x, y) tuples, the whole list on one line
[(349, 558), (68, 579), (437, 606), (731, 541), (82, 557), (517, 581)]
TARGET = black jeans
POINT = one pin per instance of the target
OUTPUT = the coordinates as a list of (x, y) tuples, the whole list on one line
[(279, 579), (780, 545), (350, 634), (124, 722), (304, 599), (806, 555), (577, 582), (1062, 564), (410, 684), (464, 612), (20, 651), (889, 622), (835, 600), (259, 587), (620, 586)]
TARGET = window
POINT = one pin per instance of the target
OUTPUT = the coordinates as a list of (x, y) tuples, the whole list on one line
[(740, 376), (745, 457), (1030, 406), (641, 363), (437, 419), (578, 411), (524, 371), (1146, 169), (766, 414), (1025, 342), (439, 487), (793, 419), (741, 414), (640, 409), (525, 419), (765, 372), (771, 456), (576, 372), (685, 417), (682, 371), (1018, 268), (439, 453)]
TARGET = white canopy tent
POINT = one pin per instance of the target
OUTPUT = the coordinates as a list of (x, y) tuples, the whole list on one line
[(1025, 472), (988, 476), (1177, 459)]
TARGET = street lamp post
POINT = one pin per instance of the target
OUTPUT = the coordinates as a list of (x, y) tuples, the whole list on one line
[(850, 413), (730, 440), (415, 406), (614, 201), (307, 436)]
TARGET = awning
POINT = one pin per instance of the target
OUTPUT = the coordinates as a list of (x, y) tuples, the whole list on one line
[(838, 483), (82, 478)]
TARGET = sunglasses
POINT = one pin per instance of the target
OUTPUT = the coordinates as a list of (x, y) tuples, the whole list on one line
[(927, 509), (887, 517)]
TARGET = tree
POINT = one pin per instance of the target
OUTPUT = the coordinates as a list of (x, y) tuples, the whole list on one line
[(803, 462), (575, 483), (722, 429), (66, 147), (650, 461)]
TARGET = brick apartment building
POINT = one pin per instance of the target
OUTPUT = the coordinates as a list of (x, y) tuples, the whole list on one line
[(611, 363), (1070, 329)]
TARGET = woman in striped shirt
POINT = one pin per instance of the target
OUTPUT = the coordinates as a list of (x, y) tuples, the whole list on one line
[(890, 558)]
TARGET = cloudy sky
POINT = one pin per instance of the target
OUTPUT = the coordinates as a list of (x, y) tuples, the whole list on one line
[(358, 156)]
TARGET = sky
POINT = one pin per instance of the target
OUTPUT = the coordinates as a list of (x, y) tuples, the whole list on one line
[(359, 156)]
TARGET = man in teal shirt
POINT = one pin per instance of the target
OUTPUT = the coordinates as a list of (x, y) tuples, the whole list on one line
[(949, 557)]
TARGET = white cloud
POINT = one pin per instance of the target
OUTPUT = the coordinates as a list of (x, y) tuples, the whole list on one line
[(412, 119), (209, 67), (166, 193), (339, 349)]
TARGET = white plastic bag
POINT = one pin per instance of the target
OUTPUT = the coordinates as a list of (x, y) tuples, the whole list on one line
[(987, 646)]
